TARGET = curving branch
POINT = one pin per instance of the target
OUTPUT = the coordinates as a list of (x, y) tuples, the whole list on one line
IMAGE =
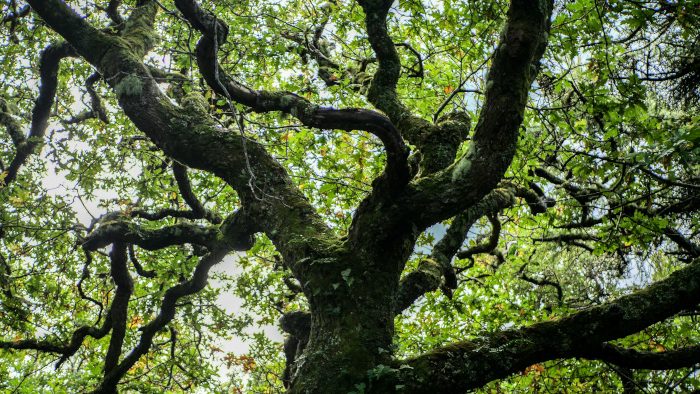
[(428, 276), (470, 364), (196, 283), (183, 183), (431, 271), (515, 65), (686, 357), (541, 282), (197, 210), (65, 350), (120, 229), (137, 265), (120, 305), (382, 90), (97, 109), (490, 244), (190, 136), (48, 74), (214, 33)]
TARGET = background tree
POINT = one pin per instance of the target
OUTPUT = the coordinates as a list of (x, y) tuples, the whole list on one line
[(429, 196)]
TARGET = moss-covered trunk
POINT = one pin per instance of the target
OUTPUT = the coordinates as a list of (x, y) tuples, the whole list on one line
[(352, 325), (340, 355)]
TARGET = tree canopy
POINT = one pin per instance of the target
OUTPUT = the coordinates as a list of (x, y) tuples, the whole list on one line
[(422, 195)]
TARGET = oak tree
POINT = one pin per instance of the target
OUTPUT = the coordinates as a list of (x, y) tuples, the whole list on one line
[(425, 196)]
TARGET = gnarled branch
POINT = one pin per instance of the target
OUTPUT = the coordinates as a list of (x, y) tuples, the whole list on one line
[(470, 364)]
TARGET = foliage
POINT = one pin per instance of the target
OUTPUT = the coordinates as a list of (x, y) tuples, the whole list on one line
[(609, 144)]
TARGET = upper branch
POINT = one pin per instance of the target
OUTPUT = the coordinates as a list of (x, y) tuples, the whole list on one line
[(514, 67), (214, 34), (190, 136)]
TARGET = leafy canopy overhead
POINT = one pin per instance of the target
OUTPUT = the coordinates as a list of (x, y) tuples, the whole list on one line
[(432, 195)]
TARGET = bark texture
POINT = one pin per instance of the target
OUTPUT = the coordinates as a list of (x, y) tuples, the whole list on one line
[(353, 284)]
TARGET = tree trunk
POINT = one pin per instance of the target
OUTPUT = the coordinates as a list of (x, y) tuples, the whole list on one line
[(352, 326)]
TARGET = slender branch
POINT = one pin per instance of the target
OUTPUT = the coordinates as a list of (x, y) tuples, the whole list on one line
[(48, 75), (120, 304), (634, 359), (167, 312), (137, 265), (183, 183), (96, 109), (65, 350), (487, 246), (214, 33), (541, 282)]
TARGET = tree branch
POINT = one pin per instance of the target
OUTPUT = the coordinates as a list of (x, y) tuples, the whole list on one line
[(183, 183), (119, 229), (192, 137), (428, 276), (471, 364), (96, 109), (634, 359), (214, 34), (48, 75), (120, 304), (514, 67), (167, 312)]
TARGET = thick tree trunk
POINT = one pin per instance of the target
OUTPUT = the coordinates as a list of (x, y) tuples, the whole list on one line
[(340, 356), (352, 326)]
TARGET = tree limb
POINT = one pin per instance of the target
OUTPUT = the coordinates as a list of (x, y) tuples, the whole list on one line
[(214, 33), (125, 286), (122, 230), (192, 137), (48, 74), (167, 312), (471, 364), (472, 176), (634, 359), (427, 277)]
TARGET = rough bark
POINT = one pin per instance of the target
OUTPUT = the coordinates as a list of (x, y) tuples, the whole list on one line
[(352, 284)]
